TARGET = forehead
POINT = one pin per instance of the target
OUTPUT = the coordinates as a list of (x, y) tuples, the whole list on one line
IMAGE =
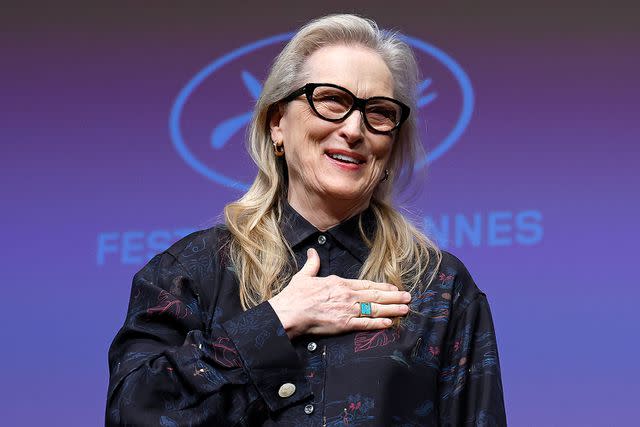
[(356, 68)]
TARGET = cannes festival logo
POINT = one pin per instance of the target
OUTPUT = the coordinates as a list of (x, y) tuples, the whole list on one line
[(209, 117)]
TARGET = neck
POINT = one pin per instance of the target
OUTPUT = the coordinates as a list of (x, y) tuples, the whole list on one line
[(324, 213)]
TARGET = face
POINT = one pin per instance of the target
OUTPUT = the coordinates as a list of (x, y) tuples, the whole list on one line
[(311, 144)]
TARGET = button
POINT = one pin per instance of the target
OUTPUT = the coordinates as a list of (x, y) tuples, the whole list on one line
[(286, 390), (312, 346), (322, 239), (308, 409)]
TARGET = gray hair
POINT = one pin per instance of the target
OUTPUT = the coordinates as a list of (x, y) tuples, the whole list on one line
[(400, 254), (287, 74)]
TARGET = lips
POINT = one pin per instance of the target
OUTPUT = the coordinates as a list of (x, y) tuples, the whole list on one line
[(346, 156)]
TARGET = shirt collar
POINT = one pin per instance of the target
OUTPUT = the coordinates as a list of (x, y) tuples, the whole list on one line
[(296, 229)]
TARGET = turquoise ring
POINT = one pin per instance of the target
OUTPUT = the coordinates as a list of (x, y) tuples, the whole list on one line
[(365, 309)]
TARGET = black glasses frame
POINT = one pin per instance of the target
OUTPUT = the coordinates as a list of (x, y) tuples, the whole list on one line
[(358, 104)]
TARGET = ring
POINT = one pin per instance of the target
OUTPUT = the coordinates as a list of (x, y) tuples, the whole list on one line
[(365, 309)]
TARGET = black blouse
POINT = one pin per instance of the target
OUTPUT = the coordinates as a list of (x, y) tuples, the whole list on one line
[(188, 355)]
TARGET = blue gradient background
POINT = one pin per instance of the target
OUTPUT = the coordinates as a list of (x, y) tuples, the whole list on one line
[(86, 95)]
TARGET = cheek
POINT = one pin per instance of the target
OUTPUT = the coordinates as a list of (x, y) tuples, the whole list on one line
[(304, 147), (309, 141), (305, 129), (382, 148), (316, 130)]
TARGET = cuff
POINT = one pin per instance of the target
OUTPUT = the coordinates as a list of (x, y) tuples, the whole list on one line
[(268, 356)]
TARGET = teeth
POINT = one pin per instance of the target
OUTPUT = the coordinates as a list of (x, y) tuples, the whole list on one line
[(344, 158)]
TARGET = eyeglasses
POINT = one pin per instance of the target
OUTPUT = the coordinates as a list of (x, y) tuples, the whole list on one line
[(335, 103)]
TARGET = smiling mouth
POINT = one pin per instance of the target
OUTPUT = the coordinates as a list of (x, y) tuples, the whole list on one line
[(343, 158)]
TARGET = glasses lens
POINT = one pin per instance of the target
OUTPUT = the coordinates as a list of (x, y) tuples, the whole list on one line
[(331, 103), (382, 114)]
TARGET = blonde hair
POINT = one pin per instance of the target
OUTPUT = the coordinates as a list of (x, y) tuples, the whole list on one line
[(399, 253)]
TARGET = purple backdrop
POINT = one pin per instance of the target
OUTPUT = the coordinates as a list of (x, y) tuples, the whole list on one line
[(110, 151)]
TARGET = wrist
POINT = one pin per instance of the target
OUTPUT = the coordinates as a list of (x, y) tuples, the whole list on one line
[(287, 318)]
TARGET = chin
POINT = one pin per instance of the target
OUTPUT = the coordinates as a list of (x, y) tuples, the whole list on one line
[(344, 191)]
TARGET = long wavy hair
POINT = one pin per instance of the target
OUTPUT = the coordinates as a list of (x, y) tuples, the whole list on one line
[(399, 253)]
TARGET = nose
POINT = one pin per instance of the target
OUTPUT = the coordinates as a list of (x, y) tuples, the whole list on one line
[(352, 128)]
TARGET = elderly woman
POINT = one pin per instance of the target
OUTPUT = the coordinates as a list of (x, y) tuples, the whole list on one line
[(317, 303)]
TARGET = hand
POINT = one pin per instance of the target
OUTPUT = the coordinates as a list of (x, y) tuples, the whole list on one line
[(330, 305)]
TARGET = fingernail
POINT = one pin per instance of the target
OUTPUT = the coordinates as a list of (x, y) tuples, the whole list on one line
[(309, 253), (387, 321)]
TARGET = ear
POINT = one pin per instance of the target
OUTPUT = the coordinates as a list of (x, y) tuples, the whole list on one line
[(275, 118)]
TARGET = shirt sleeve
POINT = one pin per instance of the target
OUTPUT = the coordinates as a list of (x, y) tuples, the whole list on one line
[(170, 365), (470, 387)]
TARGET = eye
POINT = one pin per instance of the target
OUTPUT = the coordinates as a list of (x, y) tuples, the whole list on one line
[(381, 115), (328, 98), (384, 112), (331, 103), (332, 99)]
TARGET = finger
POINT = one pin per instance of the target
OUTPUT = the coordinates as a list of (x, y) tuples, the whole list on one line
[(368, 323), (384, 310), (312, 266), (359, 285), (383, 297)]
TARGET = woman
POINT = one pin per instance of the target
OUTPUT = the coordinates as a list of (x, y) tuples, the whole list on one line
[(317, 303)]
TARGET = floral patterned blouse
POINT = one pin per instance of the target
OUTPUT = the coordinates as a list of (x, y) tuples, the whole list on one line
[(188, 355)]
